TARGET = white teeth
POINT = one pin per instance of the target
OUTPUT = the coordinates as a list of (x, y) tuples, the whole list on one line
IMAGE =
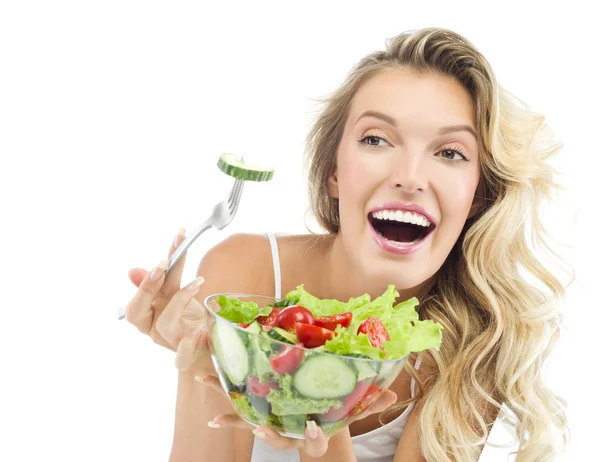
[(402, 217)]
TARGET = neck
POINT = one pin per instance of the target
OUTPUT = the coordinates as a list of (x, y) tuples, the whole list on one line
[(341, 279)]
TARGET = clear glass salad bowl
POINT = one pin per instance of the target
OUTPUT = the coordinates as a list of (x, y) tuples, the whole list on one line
[(281, 385)]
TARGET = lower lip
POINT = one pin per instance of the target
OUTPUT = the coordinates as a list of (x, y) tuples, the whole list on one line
[(399, 249)]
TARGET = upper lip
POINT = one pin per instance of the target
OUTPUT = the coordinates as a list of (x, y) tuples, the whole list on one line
[(405, 207)]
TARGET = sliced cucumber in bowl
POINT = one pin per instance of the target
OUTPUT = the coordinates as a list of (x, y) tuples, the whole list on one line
[(231, 352), (325, 377), (282, 335)]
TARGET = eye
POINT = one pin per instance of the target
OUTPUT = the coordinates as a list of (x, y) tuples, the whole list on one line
[(371, 140), (452, 154)]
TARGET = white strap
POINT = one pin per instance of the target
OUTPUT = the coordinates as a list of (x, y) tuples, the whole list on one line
[(412, 381), (276, 265)]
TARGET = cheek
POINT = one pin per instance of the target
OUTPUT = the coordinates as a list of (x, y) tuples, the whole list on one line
[(456, 198), (358, 175)]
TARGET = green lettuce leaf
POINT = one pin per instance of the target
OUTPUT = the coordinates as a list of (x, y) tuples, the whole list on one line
[(283, 403), (325, 307), (235, 310), (245, 409), (288, 423), (407, 333)]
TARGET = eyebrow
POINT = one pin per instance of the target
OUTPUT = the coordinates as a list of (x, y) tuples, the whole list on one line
[(394, 123)]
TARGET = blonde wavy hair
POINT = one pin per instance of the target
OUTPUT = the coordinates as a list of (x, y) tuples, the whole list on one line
[(499, 305)]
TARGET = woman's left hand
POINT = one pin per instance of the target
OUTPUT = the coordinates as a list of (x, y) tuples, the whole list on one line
[(315, 443)]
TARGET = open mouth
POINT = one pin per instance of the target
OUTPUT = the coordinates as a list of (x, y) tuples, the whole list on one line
[(399, 229)]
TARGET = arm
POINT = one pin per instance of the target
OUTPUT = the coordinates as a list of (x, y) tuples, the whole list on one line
[(231, 266)]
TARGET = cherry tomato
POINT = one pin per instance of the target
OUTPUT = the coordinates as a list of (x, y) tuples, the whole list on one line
[(243, 325), (375, 330), (312, 336), (268, 322), (292, 314), (259, 388), (331, 322), (363, 395), (287, 360)]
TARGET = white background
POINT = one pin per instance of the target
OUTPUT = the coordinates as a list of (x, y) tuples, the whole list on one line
[(112, 117)]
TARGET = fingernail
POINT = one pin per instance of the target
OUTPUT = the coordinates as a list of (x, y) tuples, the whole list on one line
[(213, 424), (159, 270), (259, 434), (312, 429), (179, 238), (195, 284)]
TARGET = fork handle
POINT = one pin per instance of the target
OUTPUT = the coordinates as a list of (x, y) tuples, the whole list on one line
[(179, 251)]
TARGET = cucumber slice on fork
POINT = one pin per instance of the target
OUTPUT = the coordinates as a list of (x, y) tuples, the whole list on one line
[(235, 166)]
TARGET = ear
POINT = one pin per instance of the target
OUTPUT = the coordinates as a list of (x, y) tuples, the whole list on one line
[(332, 185)]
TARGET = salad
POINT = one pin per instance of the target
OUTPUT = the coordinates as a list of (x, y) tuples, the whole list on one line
[(304, 358)]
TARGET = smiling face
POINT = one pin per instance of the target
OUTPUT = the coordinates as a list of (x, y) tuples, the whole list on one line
[(405, 179)]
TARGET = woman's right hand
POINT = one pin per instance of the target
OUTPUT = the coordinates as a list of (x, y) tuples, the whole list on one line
[(169, 314)]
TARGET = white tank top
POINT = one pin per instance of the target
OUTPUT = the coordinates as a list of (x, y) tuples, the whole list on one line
[(378, 445)]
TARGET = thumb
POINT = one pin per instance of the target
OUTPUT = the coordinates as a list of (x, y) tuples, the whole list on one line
[(137, 275)]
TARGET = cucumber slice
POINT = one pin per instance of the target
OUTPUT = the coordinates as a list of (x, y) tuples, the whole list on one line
[(231, 352), (364, 369), (253, 328), (325, 377), (277, 333), (284, 303), (234, 165)]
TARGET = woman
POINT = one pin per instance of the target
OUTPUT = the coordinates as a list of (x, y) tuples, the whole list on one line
[(420, 133)]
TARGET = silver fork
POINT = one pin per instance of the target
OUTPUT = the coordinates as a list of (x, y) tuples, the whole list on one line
[(220, 217)]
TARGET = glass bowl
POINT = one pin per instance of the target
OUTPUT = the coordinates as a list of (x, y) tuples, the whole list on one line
[(273, 383)]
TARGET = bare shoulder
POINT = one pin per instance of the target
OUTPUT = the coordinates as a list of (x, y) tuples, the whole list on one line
[(238, 263), (243, 262)]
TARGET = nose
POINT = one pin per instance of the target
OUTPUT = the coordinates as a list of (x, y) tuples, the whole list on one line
[(409, 173)]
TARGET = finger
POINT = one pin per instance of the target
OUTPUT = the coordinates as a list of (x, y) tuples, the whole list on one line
[(169, 322), (137, 275), (212, 382), (315, 443), (275, 440), (385, 400), (139, 311), (229, 420), (173, 281), (193, 352)]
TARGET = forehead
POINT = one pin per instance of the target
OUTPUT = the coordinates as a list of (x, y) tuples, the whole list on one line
[(414, 99)]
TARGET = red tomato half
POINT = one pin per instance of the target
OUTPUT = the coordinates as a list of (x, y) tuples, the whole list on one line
[(312, 336), (375, 330), (268, 322), (287, 360), (363, 395), (259, 388), (292, 314), (331, 322)]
